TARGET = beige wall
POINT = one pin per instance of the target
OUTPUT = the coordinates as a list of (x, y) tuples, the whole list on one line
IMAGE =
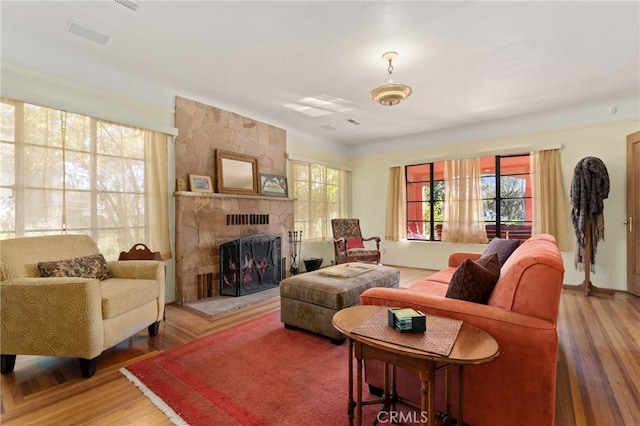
[(301, 152), (605, 141)]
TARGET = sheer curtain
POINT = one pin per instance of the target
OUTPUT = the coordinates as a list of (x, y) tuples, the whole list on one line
[(550, 208), (157, 191), (64, 172), (321, 194), (463, 207), (396, 228)]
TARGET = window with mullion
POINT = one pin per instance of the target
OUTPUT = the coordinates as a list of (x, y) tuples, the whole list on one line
[(68, 172), (425, 201), (511, 195), (319, 192), (506, 192)]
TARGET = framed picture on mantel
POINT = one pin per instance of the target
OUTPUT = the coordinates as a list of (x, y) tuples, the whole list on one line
[(198, 183), (273, 185)]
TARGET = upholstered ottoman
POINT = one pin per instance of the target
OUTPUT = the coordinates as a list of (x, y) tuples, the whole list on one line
[(310, 300)]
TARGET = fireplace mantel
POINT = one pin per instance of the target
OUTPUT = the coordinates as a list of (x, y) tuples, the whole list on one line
[(219, 195)]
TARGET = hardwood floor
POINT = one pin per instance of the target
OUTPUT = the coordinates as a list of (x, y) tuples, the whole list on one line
[(598, 368), (598, 380)]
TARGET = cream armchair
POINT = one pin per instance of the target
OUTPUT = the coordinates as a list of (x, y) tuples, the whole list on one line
[(67, 316)]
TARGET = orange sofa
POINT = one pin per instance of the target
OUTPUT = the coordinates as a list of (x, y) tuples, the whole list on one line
[(519, 387)]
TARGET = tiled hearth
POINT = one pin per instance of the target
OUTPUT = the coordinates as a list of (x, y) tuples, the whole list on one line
[(205, 221)]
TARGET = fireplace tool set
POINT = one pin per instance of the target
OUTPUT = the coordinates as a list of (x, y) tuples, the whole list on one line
[(295, 240)]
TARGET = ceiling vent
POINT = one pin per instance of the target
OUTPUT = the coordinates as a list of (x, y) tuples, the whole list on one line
[(131, 5), (354, 122), (86, 32)]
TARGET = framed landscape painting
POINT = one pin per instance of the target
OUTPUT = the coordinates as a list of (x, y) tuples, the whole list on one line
[(198, 183), (273, 185)]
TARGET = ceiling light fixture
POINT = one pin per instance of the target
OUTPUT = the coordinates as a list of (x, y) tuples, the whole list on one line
[(391, 93)]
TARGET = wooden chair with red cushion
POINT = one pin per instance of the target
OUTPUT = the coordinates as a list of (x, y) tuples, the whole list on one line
[(348, 244)]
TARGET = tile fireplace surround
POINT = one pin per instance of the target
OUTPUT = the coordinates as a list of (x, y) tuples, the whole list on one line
[(204, 221)]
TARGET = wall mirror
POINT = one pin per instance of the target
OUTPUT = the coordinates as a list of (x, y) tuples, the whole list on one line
[(236, 173)]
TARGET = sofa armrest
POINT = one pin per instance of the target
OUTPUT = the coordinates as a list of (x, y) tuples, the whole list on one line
[(376, 239), (51, 316), (137, 269), (455, 259), (142, 269)]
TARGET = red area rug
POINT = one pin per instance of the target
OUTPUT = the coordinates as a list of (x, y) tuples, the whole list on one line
[(255, 373)]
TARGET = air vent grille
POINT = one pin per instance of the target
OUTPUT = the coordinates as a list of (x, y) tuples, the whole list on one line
[(131, 5), (85, 32)]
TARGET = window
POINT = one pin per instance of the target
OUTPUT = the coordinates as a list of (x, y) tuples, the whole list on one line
[(68, 172), (506, 192), (425, 200), (320, 194)]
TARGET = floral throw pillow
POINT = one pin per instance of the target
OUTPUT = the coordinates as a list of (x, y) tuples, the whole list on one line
[(94, 266)]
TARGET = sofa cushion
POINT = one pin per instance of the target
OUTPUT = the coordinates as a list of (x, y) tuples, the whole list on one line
[(93, 266), (504, 248), (427, 286), (474, 281), (120, 295), (443, 276)]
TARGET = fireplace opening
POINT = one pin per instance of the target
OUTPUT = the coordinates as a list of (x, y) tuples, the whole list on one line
[(250, 264)]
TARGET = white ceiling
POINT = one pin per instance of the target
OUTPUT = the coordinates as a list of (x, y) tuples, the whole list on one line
[(308, 66)]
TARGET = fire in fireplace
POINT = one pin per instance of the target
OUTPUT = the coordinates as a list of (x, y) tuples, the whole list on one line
[(250, 264)]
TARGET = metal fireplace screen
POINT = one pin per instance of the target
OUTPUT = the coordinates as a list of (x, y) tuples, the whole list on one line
[(250, 264)]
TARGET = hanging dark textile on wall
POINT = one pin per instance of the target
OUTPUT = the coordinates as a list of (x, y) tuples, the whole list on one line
[(589, 189)]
